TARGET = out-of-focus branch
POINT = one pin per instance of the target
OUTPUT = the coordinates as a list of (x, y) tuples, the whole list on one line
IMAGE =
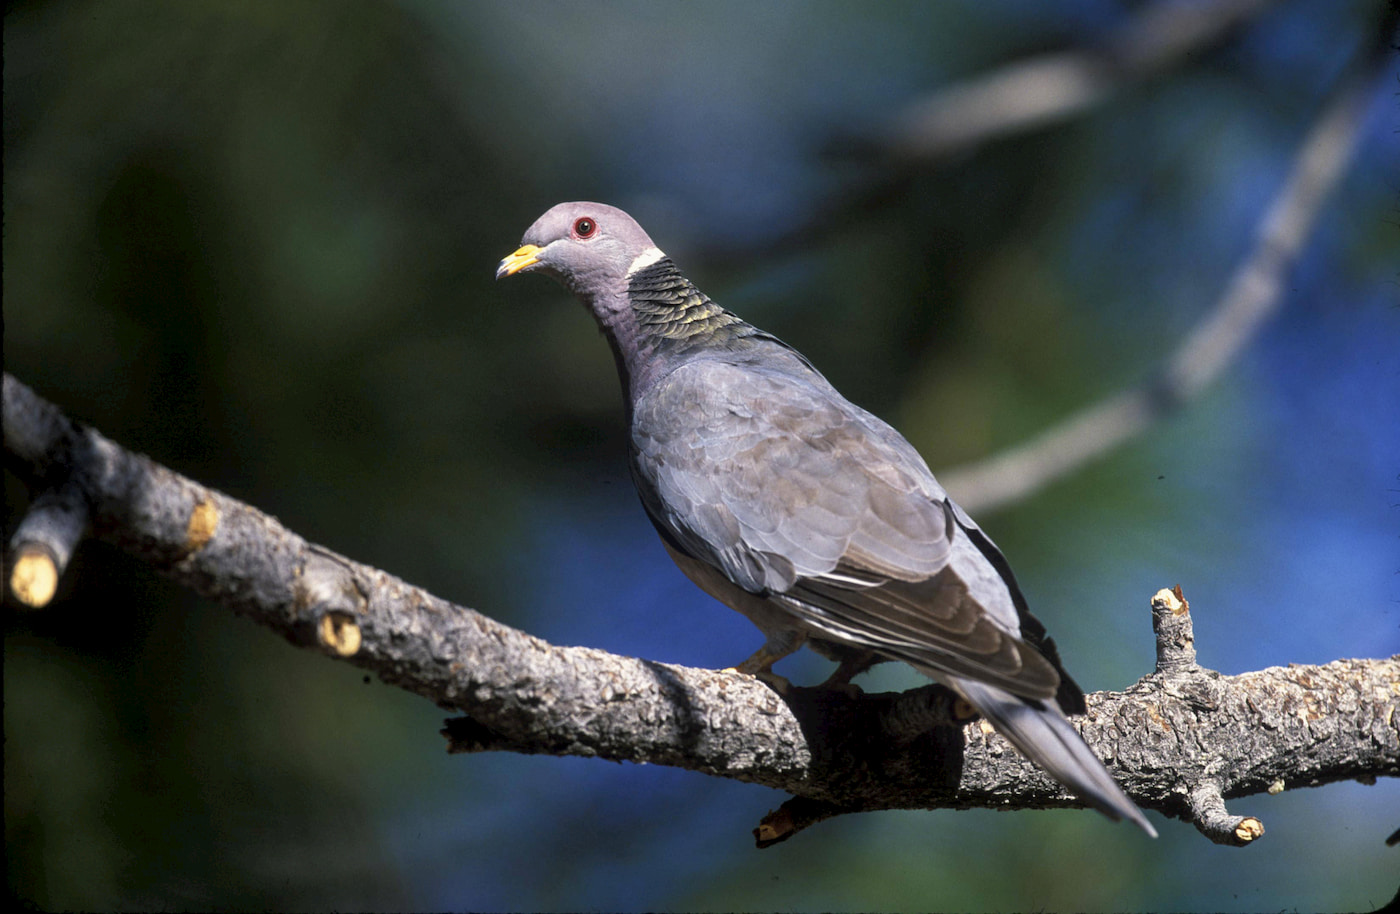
[(1015, 98), (1179, 741), (1250, 298), (1040, 90)]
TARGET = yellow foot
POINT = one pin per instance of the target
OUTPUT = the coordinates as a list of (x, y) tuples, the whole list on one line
[(775, 682), (769, 678)]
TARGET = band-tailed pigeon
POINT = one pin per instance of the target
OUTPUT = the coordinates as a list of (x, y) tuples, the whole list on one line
[(804, 512)]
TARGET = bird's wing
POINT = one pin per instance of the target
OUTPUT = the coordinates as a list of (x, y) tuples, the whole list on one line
[(795, 494)]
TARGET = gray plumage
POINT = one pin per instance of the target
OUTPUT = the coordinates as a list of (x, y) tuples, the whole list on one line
[(804, 512)]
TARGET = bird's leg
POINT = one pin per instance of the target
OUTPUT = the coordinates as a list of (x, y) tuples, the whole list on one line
[(760, 664), (851, 666), (778, 646)]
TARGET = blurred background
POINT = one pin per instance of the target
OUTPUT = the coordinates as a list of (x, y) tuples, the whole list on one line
[(256, 241)]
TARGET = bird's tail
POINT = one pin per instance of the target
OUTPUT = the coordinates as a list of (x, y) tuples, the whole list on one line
[(1045, 736)]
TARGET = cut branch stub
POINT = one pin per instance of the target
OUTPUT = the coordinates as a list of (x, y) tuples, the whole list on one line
[(44, 542), (1212, 819), (1176, 637), (327, 591)]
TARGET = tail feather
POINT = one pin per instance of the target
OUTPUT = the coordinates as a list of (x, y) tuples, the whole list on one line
[(1045, 736)]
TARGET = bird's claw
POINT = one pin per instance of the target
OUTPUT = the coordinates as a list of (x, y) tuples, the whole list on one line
[(775, 682), (779, 684)]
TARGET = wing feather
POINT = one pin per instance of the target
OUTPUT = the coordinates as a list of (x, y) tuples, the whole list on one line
[(797, 495)]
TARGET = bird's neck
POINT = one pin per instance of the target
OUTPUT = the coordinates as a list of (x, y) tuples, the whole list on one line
[(670, 310), (661, 320)]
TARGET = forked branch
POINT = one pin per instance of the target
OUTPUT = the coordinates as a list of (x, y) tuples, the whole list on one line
[(1179, 740)]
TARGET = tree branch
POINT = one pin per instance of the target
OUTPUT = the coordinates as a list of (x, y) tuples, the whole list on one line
[(1046, 88), (1250, 298), (1011, 99), (1179, 740)]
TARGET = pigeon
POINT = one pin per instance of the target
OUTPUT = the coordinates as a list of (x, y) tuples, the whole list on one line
[(788, 503)]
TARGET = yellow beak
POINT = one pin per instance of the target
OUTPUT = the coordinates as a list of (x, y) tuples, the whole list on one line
[(527, 255)]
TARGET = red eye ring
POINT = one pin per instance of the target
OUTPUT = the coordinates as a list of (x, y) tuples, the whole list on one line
[(585, 227)]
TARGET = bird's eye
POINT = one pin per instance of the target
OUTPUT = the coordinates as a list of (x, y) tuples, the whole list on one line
[(585, 227)]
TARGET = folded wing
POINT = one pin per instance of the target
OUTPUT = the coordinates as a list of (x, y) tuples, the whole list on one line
[(798, 495)]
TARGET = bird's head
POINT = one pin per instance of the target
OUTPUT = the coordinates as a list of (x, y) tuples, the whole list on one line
[(589, 247)]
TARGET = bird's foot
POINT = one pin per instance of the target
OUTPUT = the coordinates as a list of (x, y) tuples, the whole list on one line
[(850, 667), (775, 682), (777, 647), (839, 681), (779, 684), (849, 689)]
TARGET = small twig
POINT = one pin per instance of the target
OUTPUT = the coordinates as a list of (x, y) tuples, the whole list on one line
[(792, 817), (1210, 817), (1179, 672), (43, 544), (1176, 637), (1041, 90), (1015, 98)]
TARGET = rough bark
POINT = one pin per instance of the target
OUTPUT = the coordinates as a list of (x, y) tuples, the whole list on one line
[(1180, 740)]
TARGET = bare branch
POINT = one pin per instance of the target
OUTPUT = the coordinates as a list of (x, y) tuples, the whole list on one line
[(1041, 90), (1250, 298), (1015, 98), (1180, 740), (43, 544)]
